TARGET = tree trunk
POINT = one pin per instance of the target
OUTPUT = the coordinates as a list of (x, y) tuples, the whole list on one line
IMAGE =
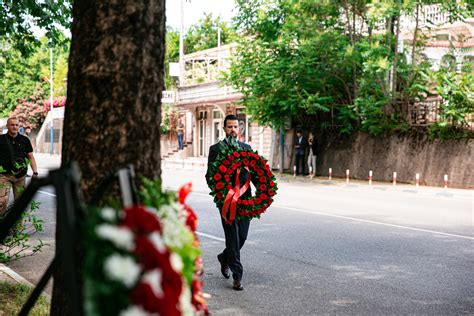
[(113, 106)]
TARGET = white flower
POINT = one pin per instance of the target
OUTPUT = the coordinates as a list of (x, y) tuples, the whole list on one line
[(123, 269), (185, 302), (157, 241), (134, 310), (154, 278), (108, 214), (176, 263), (121, 237)]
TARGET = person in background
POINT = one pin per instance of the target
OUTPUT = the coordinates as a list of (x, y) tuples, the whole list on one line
[(180, 134), (15, 152), (312, 155), (300, 149)]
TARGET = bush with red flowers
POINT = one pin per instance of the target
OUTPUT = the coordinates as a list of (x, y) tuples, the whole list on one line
[(227, 190)]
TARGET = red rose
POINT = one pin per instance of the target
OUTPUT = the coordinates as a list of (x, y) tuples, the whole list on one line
[(243, 154), (263, 196), (272, 184), (234, 166), (270, 201), (252, 163), (226, 178), (219, 195), (246, 162), (251, 202), (267, 167), (222, 168), (241, 212), (239, 164), (239, 201), (231, 158), (226, 162), (245, 202), (262, 187), (229, 171), (254, 213), (247, 213), (271, 192), (263, 179), (229, 187), (219, 185), (236, 154), (260, 172), (269, 174), (258, 201), (140, 220), (217, 176)]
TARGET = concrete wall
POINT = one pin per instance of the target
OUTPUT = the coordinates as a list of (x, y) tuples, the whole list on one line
[(407, 155)]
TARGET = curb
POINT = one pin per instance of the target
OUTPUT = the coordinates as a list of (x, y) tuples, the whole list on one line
[(13, 275)]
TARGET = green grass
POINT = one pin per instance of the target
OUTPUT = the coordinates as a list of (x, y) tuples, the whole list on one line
[(13, 296)]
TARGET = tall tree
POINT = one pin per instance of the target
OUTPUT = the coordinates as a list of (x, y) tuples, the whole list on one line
[(18, 19), (115, 82)]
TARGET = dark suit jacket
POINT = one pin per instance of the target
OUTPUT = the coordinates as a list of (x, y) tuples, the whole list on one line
[(213, 154), (302, 145)]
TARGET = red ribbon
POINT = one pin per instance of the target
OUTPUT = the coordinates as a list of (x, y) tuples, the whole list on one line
[(230, 202)]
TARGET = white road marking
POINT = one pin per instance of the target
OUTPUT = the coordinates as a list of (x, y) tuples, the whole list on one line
[(375, 222), (47, 193), (210, 236), (364, 220)]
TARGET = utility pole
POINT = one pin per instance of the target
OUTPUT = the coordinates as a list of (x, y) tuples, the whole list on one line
[(181, 46)]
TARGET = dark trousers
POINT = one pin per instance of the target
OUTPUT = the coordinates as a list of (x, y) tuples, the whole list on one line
[(299, 164), (235, 236)]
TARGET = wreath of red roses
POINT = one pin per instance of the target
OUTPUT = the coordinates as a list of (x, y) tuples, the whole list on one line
[(227, 189)]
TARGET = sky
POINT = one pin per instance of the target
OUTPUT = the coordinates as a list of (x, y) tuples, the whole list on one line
[(195, 9)]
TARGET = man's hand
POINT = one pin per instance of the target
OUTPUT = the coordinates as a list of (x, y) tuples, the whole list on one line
[(34, 176)]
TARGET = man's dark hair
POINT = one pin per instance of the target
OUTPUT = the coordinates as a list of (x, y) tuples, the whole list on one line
[(298, 131), (230, 117)]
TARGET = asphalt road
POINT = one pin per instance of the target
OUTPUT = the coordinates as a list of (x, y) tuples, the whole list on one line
[(332, 248)]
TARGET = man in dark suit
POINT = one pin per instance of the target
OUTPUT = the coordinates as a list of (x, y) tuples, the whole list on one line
[(236, 232), (300, 149)]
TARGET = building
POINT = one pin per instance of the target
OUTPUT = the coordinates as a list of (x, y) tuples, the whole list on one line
[(203, 101)]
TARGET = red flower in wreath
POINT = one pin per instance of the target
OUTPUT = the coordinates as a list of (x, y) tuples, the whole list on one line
[(217, 176), (263, 196), (222, 168), (226, 178), (243, 154), (252, 163), (226, 162), (262, 187), (271, 192), (263, 179), (272, 184), (219, 185), (236, 154), (219, 195)]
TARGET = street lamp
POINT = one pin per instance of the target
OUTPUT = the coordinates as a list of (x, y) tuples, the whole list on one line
[(51, 91)]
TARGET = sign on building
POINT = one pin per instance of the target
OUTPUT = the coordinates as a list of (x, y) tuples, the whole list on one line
[(168, 96)]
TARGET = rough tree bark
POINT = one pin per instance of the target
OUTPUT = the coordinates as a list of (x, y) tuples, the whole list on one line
[(115, 82)]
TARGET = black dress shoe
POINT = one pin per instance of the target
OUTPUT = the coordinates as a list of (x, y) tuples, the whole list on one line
[(224, 267), (237, 285)]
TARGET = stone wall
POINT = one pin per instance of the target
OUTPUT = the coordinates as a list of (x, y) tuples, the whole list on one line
[(407, 155)]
